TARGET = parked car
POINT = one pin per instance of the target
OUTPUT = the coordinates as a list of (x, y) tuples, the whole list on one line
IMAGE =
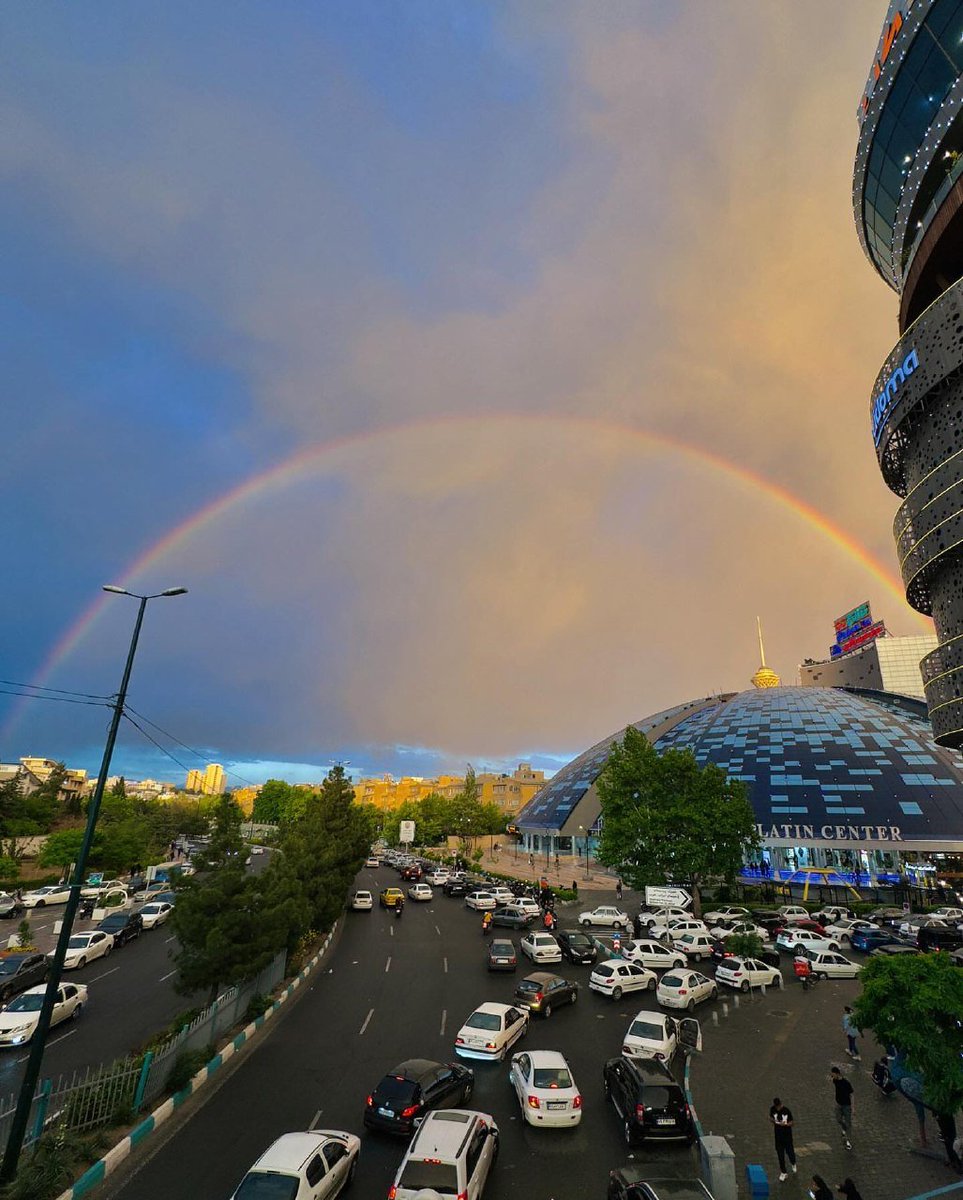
[(832, 965), (318, 1164), (662, 916), (607, 916), (577, 947), (729, 912), (399, 1103), (501, 955), (746, 973), (451, 1155), (685, 989), (155, 913), (646, 1182), (362, 902), (676, 928), (19, 1020), (123, 926), (615, 977), (796, 940), (727, 928), (650, 1103), (10, 906), (768, 954), (792, 913), (93, 890), (491, 1031), (657, 1035), (511, 918), (421, 892), (695, 946), (939, 937), (894, 950), (832, 914), (545, 1087), (57, 893), (653, 954), (541, 947), (83, 948), (19, 972), (869, 939), (542, 992), (390, 897)]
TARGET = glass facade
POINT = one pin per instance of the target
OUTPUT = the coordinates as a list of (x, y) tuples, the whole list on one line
[(933, 63)]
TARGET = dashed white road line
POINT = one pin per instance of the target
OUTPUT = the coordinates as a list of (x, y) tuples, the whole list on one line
[(366, 1020), (105, 974), (387, 964), (314, 1120), (172, 938), (62, 1038), (438, 931), (168, 975), (444, 1018), (391, 930), (445, 961)]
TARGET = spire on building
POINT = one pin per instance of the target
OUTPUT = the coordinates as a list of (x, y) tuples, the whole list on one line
[(765, 677)]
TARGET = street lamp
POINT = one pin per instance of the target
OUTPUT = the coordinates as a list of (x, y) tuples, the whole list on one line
[(585, 848), (18, 1127)]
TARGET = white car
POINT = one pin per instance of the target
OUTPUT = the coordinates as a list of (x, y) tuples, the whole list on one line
[(438, 876), (842, 931), (677, 927), (450, 1156), (731, 927), (525, 905), (372, 861), (729, 912), (90, 891), (746, 973), (155, 913), (362, 902), (481, 901), (18, 1021), (541, 947), (656, 955), (685, 989), (615, 976), (260, 850), (791, 913), (657, 1035), (545, 1088), (696, 946), (797, 940), (662, 916), (952, 916), (606, 915), (315, 1165), (831, 965), (503, 895), (420, 891), (83, 948), (491, 1031), (57, 893)]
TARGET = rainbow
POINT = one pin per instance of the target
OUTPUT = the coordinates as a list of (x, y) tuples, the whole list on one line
[(306, 462)]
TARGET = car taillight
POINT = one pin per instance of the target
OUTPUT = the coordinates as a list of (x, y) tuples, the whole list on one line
[(392, 1192), (688, 1113), (639, 1112), (459, 1041), (462, 1196), (683, 992), (537, 998), (369, 1101), (410, 1110), (534, 1102), (577, 1102), (626, 1049), (491, 1045)]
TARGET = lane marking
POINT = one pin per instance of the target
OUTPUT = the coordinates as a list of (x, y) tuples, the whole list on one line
[(391, 930), (366, 1020), (387, 964), (445, 961), (314, 1120), (63, 1037), (172, 938), (444, 1018), (105, 974), (168, 975), (438, 931)]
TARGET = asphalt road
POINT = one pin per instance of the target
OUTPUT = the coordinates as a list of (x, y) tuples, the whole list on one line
[(397, 989)]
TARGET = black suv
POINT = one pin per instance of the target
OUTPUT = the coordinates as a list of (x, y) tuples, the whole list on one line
[(650, 1102), (577, 947), (647, 1183), (411, 1089), (939, 937), (19, 972), (125, 926)]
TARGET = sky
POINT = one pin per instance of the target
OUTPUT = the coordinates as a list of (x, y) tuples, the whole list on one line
[(482, 370)]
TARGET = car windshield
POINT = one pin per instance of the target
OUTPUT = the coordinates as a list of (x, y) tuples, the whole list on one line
[(110, 923), (483, 1020), (9, 966), (150, 909), (552, 1077), (423, 1173), (28, 1002), (79, 941), (645, 1029), (268, 1185), (578, 940)]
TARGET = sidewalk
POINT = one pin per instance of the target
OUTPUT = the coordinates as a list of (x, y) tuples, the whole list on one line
[(571, 869)]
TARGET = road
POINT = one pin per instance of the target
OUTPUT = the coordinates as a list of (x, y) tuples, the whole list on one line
[(397, 989)]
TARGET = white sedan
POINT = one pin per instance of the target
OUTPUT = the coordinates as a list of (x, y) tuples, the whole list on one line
[(662, 916), (831, 965), (656, 1035), (438, 876), (57, 893), (731, 927), (19, 1019), (83, 948), (91, 891), (797, 940), (319, 1165), (615, 976), (694, 945), (685, 989), (729, 912), (420, 891), (491, 1031), (746, 973), (368, 862), (607, 916), (541, 948), (677, 927), (545, 1088), (155, 913), (525, 905), (842, 931), (481, 901), (655, 955), (503, 895)]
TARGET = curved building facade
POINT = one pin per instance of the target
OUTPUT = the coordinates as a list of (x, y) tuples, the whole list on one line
[(836, 776), (908, 204)]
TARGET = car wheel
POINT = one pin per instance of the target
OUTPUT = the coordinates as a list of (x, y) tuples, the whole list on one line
[(587, 924), (822, 975), (778, 981), (351, 1170), (690, 1006), (41, 904), (834, 946), (678, 963), (616, 993), (82, 963), (107, 951), (627, 1133), (76, 1013), (714, 994), (744, 986), (800, 949), (650, 986)]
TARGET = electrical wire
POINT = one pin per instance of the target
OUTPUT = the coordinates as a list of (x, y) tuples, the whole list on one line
[(103, 702), (63, 691), (197, 753), (154, 741)]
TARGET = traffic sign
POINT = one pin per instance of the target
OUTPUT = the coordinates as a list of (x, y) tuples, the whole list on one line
[(667, 897), (407, 832)]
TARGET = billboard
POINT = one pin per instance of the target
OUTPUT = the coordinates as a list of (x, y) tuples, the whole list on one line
[(854, 629), (407, 832)]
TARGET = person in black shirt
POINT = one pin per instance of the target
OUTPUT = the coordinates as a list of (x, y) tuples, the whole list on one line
[(844, 1104), (781, 1118), (848, 1190)]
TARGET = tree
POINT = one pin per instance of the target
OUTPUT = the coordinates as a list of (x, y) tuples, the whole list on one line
[(914, 1003), (666, 819), (272, 802), (62, 848)]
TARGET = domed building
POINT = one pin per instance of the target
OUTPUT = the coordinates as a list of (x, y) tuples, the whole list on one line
[(845, 778)]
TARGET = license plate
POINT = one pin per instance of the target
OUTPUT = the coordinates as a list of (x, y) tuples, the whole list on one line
[(386, 1112), (665, 1121), (558, 1104)]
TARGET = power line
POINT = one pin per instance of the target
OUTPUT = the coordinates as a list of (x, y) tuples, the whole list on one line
[(163, 749), (197, 753), (63, 691), (103, 702)]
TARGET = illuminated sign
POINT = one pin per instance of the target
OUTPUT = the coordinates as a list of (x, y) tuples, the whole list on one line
[(890, 30), (853, 617), (855, 629), (833, 833), (887, 393)]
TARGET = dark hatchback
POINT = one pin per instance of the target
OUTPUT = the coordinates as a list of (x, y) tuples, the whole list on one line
[(577, 947), (19, 972), (894, 950), (501, 955), (648, 1183), (649, 1101), (869, 939), (455, 887), (413, 1088), (543, 991), (511, 918), (125, 926)]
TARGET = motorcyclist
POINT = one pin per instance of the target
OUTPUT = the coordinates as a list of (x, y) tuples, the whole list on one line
[(399, 906), (486, 922), (802, 968)]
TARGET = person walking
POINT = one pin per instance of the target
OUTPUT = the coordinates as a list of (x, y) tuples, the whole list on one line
[(618, 889), (946, 1123), (843, 1091), (852, 1033), (781, 1119), (819, 1188), (637, 926), (848, 1190)]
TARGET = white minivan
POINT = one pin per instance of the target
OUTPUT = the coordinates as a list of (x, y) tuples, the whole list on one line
[(451, 1155)]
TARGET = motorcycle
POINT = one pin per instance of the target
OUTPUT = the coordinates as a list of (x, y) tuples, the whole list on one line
[(486, 926), (399, 909)]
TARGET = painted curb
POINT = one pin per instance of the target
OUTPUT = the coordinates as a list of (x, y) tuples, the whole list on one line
[(116, 1155)]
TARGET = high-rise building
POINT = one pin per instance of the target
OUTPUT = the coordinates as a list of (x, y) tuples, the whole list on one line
[(908, 201), (214, 780), (195, 781)]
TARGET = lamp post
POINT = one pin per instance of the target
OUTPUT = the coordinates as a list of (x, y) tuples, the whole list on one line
[(21, 1116), (585, 848)]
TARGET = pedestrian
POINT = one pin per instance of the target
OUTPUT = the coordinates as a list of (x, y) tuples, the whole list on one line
[(946, 1124), (618, 889), (843, 1091), (781, 1118), (531, 860), (557, 865), (819, 1188), (852, 1033), (575, 888), (848, 1189), (637, 926)]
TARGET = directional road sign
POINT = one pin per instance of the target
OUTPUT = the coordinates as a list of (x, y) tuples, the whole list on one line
[(667, 897), (407, 832)]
